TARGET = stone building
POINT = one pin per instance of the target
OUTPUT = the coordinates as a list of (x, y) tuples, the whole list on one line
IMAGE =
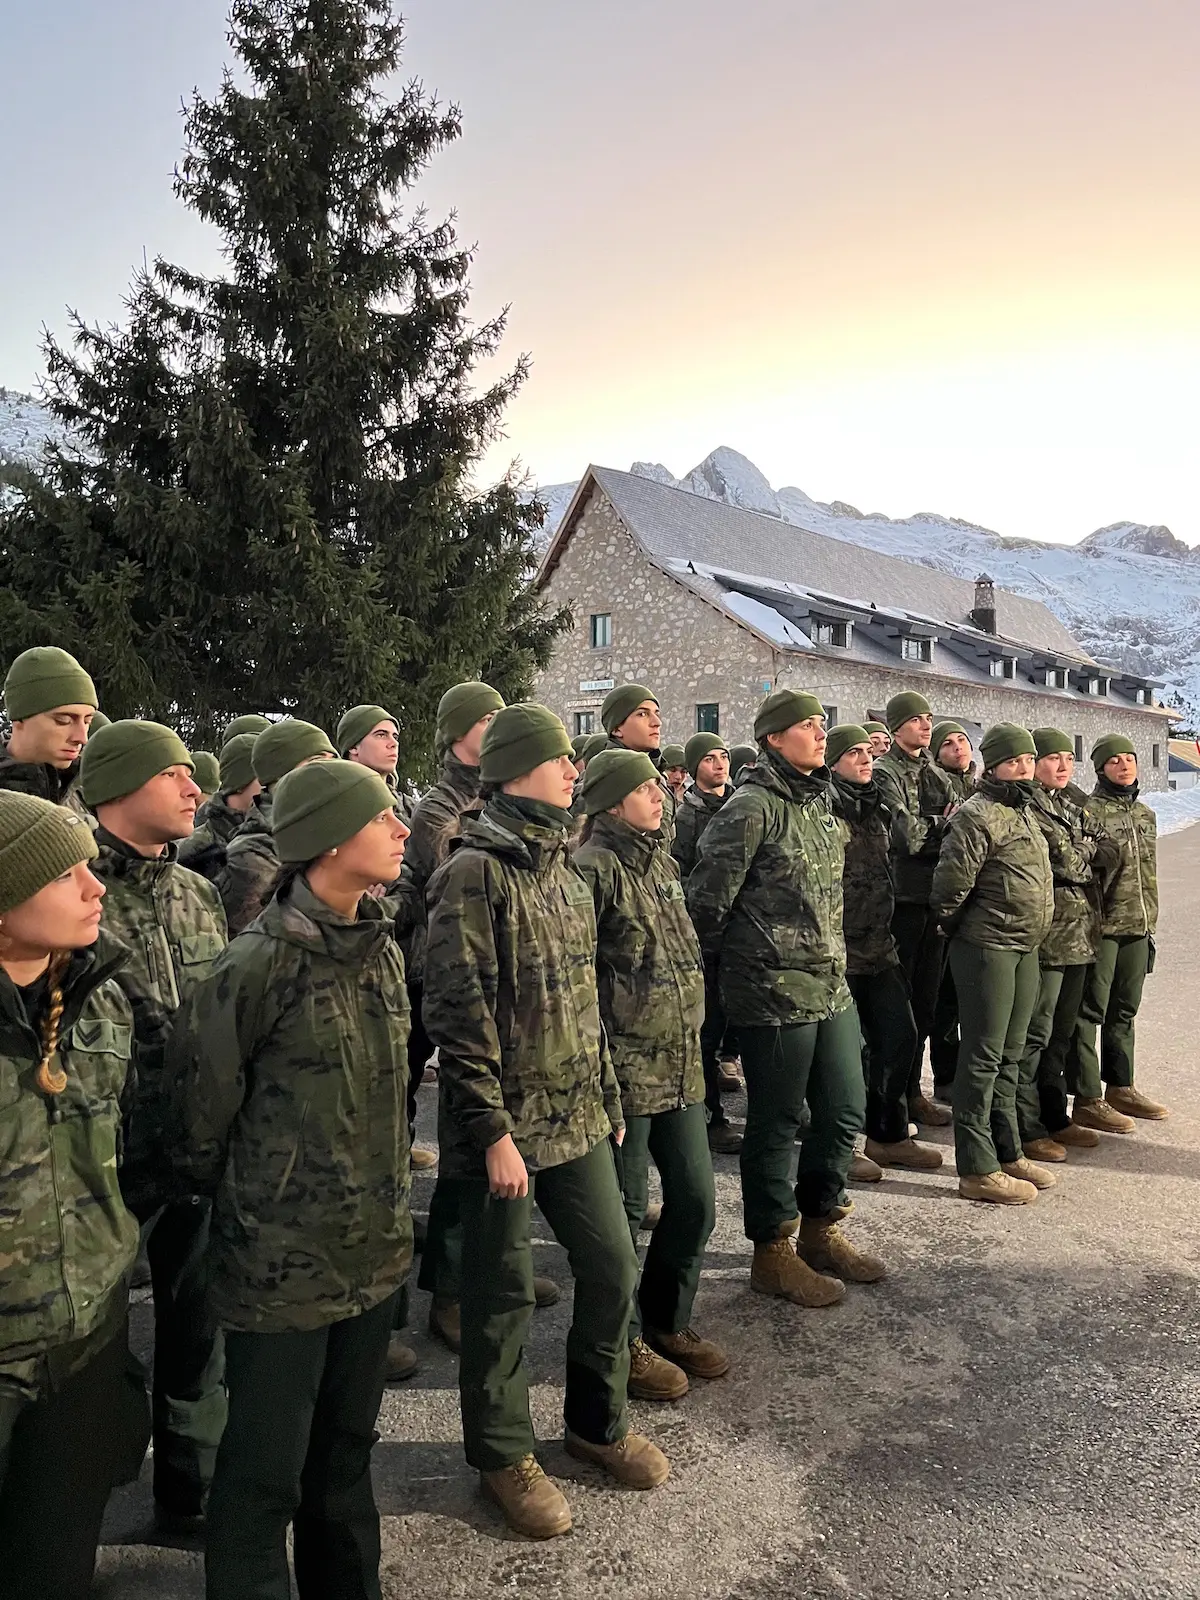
[(713, 607)]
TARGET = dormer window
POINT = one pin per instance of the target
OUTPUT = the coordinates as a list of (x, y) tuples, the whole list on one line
[(1143, 697), (916, 649), (1056, 678), (1003, 667), (837, 634), (1096, 686)]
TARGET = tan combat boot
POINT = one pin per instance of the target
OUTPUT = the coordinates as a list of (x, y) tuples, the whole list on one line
[(778, 1270), (922, 1110), (827, 1249), (531, 1503), (729, 1076), (701, 1357), (864, 1170), (1132, 1102), (905, 1153), (633, 1461), (1026, 1171), (445, 1322), (1076, 1137), (1044, 1150), (652, 1378), (421, 1159), (997, 1188), (545, 1293), (1103, 1118), (401, 1360), (652, 1218)]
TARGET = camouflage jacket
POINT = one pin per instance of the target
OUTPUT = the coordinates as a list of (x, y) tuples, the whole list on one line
[(916, 791), (67, 1243), (291, 1105), (666, 830), (766, 898), (962, 784), (696, 810), (867, 894), (247, 880), (36, 778), (1072, 840), (993, 885), (1131, 887), (511, 999), (203, 851), (172, 924), (651, 977), (435, 821)]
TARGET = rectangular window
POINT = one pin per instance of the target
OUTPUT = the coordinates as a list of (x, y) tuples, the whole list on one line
[(1156, 755), (601, 630), (831, 716), (708, 719), (916, 649), (1056, 678), (585, 722), (1097, 686), (1079, 747), (1003, 667), (834, 633)]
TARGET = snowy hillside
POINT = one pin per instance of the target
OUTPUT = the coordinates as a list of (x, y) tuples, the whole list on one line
[(25, 426), (1130, 594)]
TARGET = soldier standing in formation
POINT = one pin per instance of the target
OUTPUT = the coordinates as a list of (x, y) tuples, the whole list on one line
[(950, 748), (220, 818), (51, 703), (632, 721)]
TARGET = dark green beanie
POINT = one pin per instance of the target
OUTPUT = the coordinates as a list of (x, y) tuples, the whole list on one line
[(284, 745), (673, 756), (699, 746), (742, 755), (318, 807), (38, 843), (842, 738), (518, 739), (206, 770), (124, 756), (1004, 742), (250, 723), (901, 708), (461, 708), (99, 720), (622, 702), (941, 732), (611, 776), (43, 679), (592, 745), (237, 763), (1108, 746), (783, 709), (577, 744), (357, 724), (877, 727), (1052, 742)]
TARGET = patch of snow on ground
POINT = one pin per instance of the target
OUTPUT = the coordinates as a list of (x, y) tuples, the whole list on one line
[(1175, 808)]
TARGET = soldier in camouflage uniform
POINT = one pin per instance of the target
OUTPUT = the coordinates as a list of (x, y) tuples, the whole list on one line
[(651, 983), (881, 739), (1113, 992), (50, 701), (674, 771), (246, 881), (872, 965), (220, 818), (136, 776), (73, 1415), (993, 893), (631, 719), (951, 750), (920, 799), (766, 899), (532, 1107), (291, 1102)]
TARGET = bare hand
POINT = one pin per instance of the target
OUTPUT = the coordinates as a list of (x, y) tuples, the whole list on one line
[(508, 1177), (619, 1135), (950, 809)]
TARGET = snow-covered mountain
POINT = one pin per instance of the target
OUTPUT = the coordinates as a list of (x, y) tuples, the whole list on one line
[(25, 427), (1129, 593)]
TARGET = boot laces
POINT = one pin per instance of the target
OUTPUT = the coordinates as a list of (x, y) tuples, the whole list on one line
[(640, 1356), (527, 1472)]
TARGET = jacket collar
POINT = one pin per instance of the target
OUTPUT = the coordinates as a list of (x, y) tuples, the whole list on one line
[(707, 802), (771, 771), (634, 849), (457, 775), (86, 971), (528, 844), (123, 860), (299, 917), (1125, 793)]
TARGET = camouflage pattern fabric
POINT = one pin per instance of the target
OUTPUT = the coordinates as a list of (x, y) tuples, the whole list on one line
[(511, 999), (67, 1242), (651, 977), (290, 1102), (435, 821), (766, 898), (36, 778), (993, 885), (247, 880), (962, 784), (204, 849), (693, 814), (916, 792), (1131, 888), (1072, 839), (868, 898)]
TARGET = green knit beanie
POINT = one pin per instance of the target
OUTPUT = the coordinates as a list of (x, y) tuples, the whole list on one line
[(622, 702), (941, 732), (357, 724), (281, 748), (99, 720), (577, 744), (1108, 746), (783, 709), (237, 763), (697, 747), (518, 739), (673, 756), (38, 843), (742, 755), (124, 756), (206, 770), (877, 727), (592, 745), (842, 738), (250, 723), (1052, 742), (1004, 742), (611, 776), (461, 708), (318, 807), (901, 708), (43, 679)]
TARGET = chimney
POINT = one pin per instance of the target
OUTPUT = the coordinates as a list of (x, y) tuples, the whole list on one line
[(984, 614)]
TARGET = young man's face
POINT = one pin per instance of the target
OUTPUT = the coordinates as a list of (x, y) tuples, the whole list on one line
[(881, 743), (712, 773), (802, 745), (379, 749), (955, 752), (642, 728), (1056, 771), (552, 782), (855, 765), (52, 738), (1014, 770), (164, 809), (468, 747), (914, 734), (1122, 769)]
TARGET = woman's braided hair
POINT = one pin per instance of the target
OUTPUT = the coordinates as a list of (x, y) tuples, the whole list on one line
[(50, 1079)]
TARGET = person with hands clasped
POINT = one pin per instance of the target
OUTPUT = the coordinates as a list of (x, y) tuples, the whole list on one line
[(532, 1108)]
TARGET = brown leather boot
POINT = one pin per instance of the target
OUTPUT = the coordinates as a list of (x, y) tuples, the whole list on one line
[(778, 1270), (827, 1249), (653, 1216), (1075, 1137), (921, 1109), (402, 1360), (545, 1293), (1132, 1102), (864, 1170), (531, 1503), (688, 1350), (724, 1139), (1044, 1150), (652, 1378), (421, 1159), (997, 1188), (905, 1153), (1103, 1118), (445, 1322), (1026, 1171), (633, 1461)]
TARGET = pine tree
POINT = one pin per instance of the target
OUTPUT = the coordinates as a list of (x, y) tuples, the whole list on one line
[(271, 503)]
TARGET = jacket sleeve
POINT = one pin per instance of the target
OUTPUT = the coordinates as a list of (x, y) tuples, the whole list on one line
[(244, 884), (912, 834), (462, 981), (683, 846), (724, 857), (1070, 845), (964, 851)]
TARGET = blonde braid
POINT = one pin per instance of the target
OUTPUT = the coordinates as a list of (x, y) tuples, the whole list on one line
[(52, 1080)]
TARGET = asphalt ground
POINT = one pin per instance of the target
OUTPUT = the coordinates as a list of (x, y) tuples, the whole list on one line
[(1014, 1412)]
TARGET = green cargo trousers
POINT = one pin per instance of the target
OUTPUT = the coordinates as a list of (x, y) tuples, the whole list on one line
[(997, 991), (1042, 1083), (1111, 999), (678, 1143), (581, 1200), (817, 1061), (297, 1449), (441, 1259)]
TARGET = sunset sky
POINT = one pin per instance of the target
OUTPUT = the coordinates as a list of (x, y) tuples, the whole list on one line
[(915, 254)]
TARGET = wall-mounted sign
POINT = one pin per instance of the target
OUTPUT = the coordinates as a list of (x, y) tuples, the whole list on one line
[(596, 685)]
